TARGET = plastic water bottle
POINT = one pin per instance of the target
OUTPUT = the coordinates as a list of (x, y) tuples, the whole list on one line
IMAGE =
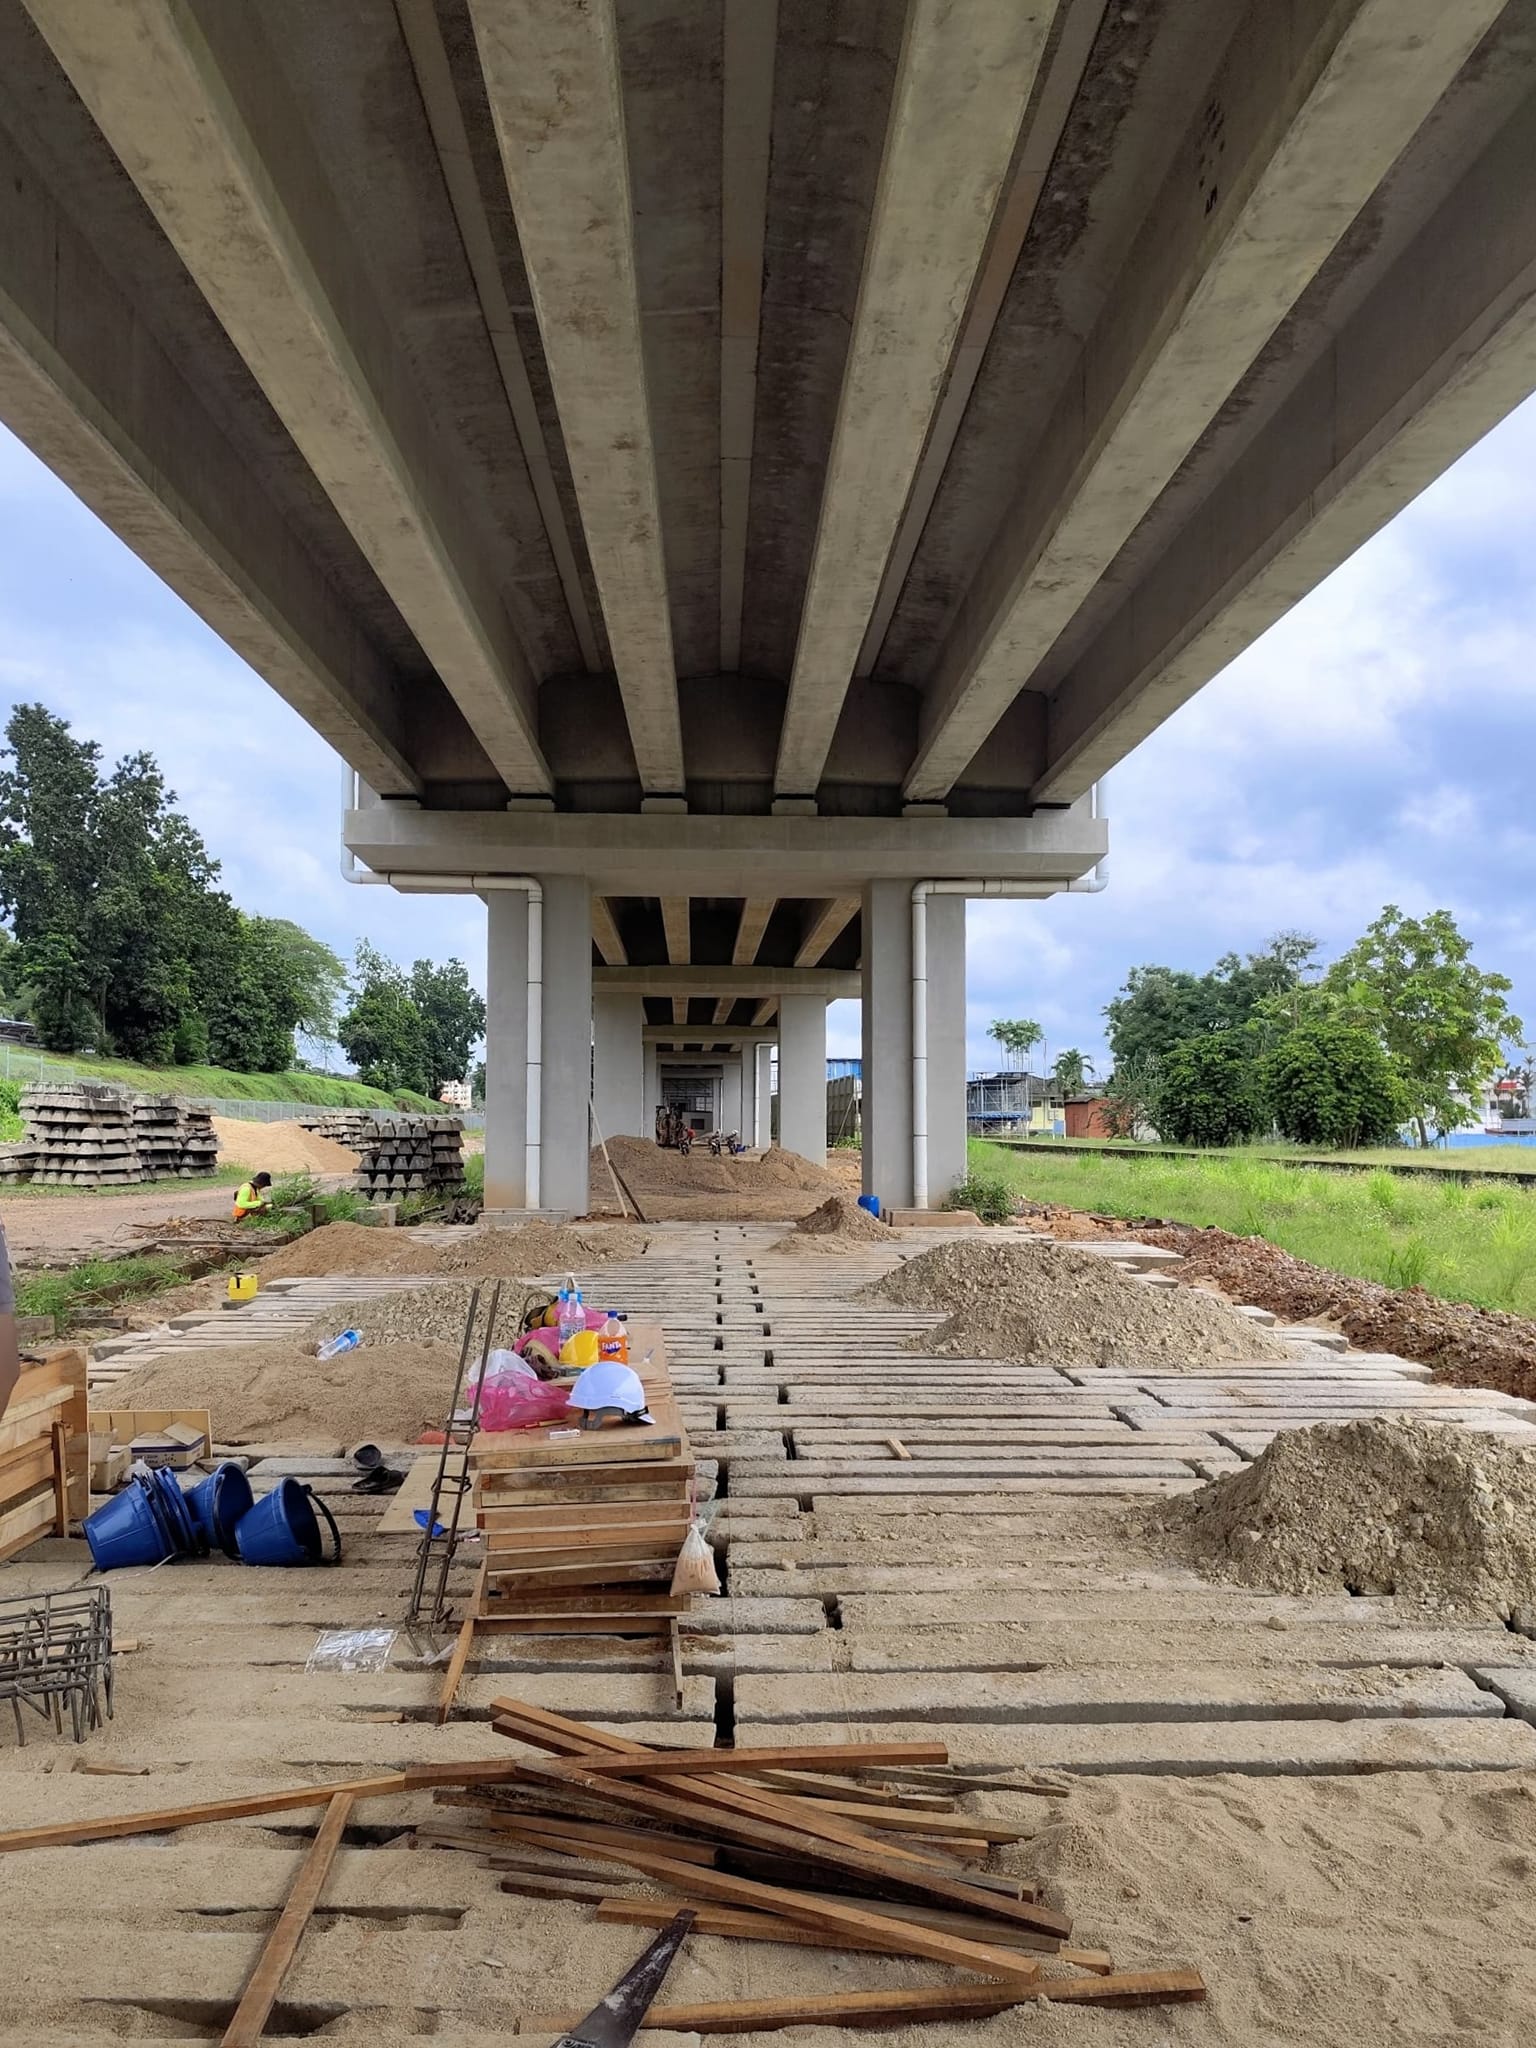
[(573, 1316), (333, 1346), (612, 1342)]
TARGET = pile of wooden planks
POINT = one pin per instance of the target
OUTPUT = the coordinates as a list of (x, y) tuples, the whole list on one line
[(800, 1846), (582, 1527), (44, 1452)]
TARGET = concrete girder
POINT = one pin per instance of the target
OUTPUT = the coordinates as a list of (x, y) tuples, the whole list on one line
[(1078, 25), (90, 390), (197, 114), (605, 933), (440, 101), (961, 94), (1435, 356), (755, 913), (701, 979), (1313, 104), (717, 855), (827, 922), (556, 96), (764, 1012), (749, 41)]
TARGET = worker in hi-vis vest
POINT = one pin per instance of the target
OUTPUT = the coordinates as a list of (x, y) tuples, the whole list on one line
[(252, 1196)]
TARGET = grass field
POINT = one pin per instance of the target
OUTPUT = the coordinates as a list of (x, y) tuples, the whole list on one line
[(1468, 1241), (1508, 1158), (324, 1090)]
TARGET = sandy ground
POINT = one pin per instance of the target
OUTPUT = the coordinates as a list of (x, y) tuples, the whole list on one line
[(53, 1224)]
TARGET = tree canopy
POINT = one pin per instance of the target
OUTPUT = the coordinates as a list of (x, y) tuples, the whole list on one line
[(1018, 1036), (413, 1030), (1160, 1007), (124, 942)]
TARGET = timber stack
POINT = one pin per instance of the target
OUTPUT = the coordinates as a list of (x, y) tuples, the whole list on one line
[(409, 1155)]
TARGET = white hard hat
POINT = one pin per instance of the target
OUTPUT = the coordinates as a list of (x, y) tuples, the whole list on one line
[(609, 1385)]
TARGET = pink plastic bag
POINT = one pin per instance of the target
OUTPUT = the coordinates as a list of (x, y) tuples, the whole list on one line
[(521, 1404)]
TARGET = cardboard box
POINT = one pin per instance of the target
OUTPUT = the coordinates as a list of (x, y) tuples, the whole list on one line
[(109, 1463), (176, 1446)]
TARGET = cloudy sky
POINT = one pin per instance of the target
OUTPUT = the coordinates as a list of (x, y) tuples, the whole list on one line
[(1378, 745)]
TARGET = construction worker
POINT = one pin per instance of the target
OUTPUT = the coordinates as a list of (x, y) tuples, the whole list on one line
[(253, 1196)]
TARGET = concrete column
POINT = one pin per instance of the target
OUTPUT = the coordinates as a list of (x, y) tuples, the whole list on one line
[(652, 1086), (803, 1076), (506, 1050), (762, 1093), (946, 1046), (618, 1066), (887, 1043), (887, 1035), (567, 1043)]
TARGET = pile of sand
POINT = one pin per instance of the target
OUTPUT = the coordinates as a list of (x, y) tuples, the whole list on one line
[(837, 1228), (1424, 1510), (279, 1148), (435, 1314), (768, 1187), (1051, 1305), (489, 1254), (257, 1393)]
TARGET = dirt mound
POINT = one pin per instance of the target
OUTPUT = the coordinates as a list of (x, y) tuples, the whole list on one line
[(774, 1186), (279, 1148), (1468, 1346), (260, 1393), (839, 1227), (489, 1254), (1424, 1510), (434, 1314), (1051, 1305)]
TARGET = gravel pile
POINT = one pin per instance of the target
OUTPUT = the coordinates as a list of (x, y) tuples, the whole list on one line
[(489, 1254), (775, 1186), (1051, 1305), (1424, 1510), (434, 1314)]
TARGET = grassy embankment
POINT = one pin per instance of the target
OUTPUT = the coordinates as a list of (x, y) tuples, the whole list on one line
[(325, 1091), (1467, 1241), (1479, 1159)]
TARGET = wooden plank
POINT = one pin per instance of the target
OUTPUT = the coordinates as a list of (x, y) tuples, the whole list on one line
[(898, 1449), (453, 1676), (618, 1444), (604, 1624), (556, 1831), (833, 1757), (603, 1514), (597, 1548), (958, 1827), (554, 1603), (898, 1937), (21, 1526), (540, 1485), (26, 1466), (606, 1572), (894, 2008), (162, 1819), (282, 1944), (856, 1857)]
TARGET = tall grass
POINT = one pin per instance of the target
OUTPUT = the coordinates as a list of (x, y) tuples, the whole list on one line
[(325, 1091), (1467, 1242)]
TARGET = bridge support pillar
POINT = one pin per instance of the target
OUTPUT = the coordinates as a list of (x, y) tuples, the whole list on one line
[(762, 1094), (566, 1077), (803, 1076), (618, 1067), (887, 1031)]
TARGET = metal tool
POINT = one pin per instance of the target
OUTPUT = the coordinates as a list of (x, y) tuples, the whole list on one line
[(615, 2020)]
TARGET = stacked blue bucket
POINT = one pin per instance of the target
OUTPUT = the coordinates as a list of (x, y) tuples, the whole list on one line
[(152, 1520)]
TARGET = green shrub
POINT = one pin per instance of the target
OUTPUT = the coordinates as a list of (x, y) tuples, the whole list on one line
[(988, 1196), (1210, 1091), (1332, 1084)]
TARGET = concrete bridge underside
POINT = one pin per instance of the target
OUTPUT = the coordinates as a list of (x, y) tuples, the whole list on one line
[(732, 460)]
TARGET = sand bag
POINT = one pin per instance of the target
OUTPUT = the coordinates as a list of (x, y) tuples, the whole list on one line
[(695, 1571)]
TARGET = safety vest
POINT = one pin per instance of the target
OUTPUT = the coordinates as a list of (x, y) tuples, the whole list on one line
[(247, 1197)]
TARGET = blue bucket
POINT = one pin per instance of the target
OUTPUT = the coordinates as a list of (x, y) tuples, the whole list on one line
[(871, 1203), (129, 1529), (282, 1529), (185, 1531), (217, 1503)]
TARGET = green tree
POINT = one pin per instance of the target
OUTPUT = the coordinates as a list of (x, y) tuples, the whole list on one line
[(1018, 1037), (1210, 1091), (316, 975), (382, 1031), (1412, 982), (1159, 1007), (1070, 1071), (1334, 1084), (452, 1016)]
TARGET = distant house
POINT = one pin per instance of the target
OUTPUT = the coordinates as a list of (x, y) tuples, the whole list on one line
[(1012, 1104), (1085, 1116), (454, 1095)]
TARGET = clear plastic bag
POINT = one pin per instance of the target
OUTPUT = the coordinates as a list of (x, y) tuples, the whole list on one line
[(351, 1649)]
